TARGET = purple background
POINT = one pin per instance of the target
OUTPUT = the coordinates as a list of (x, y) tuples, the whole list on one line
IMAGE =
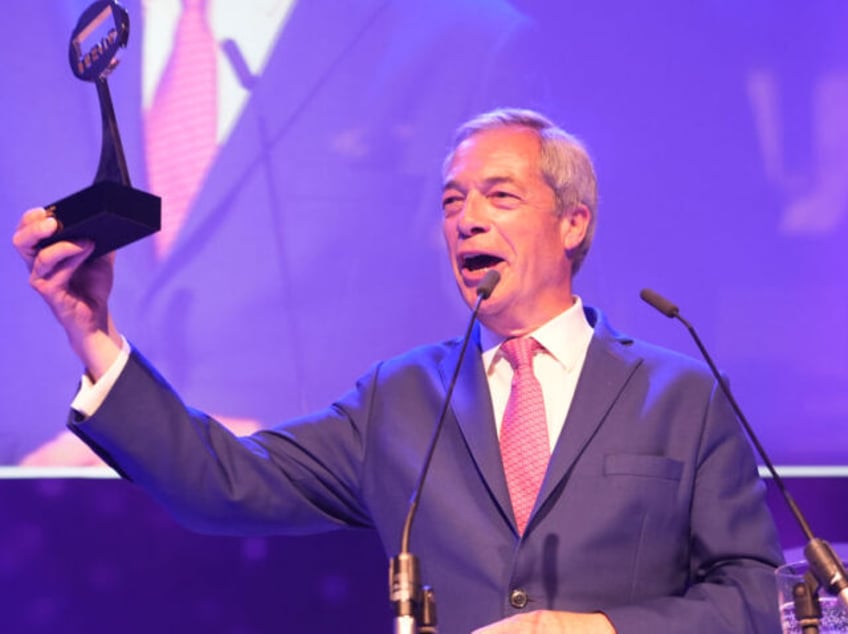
[(721, 144), (698, 186)]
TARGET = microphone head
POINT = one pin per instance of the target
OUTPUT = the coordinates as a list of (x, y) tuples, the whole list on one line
[(659, 302), (488, 283)]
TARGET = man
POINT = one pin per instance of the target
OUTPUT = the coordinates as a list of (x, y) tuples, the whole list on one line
[(584, 482)]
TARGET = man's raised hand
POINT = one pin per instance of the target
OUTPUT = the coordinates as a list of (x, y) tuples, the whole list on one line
[(76, 289)]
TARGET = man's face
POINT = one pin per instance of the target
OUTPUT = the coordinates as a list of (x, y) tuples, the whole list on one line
[(499, 213)]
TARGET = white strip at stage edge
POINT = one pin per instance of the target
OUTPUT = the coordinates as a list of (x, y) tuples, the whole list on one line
[(105, 473)]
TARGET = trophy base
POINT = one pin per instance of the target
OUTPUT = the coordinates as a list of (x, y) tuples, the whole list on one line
[(108, 213)]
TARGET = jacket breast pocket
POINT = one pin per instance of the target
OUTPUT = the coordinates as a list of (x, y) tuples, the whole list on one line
[(643, 465)]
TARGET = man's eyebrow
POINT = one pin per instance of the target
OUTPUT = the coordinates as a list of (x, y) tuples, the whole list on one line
[(451, 184)]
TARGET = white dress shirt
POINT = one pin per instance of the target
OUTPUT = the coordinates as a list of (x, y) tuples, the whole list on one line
[(565, 339), (91, 395)]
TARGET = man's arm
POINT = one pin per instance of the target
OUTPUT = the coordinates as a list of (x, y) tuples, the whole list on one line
[(296, 479)]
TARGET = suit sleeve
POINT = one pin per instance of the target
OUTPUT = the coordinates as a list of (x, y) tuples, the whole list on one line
[(295, 479), (733, 544)]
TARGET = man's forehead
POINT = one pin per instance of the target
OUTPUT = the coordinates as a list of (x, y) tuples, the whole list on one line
[(501, 154), (484, 182)]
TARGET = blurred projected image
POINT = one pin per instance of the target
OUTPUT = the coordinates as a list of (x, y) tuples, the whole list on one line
[(295, 146)]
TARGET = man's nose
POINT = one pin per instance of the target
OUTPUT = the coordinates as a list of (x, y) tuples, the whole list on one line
[(474, 216)]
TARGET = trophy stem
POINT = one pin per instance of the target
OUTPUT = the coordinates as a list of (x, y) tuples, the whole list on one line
[(110, 212), (113, 163)]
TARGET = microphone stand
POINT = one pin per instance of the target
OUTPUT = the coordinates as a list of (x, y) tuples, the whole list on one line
[(414, 604), (825, 568)]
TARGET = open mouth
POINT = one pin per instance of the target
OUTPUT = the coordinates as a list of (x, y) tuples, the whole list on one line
[(480, 261)]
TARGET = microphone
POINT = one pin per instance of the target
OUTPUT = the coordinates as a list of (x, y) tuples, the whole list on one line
[(413, 604), (487, 285), (659, 302), (825, 565)]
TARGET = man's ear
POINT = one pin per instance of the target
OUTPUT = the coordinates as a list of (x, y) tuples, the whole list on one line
[(574, 225)]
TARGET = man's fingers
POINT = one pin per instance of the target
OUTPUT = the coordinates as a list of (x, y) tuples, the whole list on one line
[(60, 260), (59, 265), (551, 622), (31, 215), (36, 224)]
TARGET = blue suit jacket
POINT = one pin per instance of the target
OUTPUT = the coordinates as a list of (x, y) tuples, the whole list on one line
[(651, 510)]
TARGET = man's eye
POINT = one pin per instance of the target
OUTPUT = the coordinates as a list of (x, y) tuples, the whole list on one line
[(451, 203), (503, 196)]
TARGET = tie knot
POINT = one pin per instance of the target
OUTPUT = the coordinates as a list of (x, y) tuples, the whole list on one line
[(519, 352)]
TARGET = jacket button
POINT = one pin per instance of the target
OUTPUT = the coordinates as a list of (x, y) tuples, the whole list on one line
[(518, 598)]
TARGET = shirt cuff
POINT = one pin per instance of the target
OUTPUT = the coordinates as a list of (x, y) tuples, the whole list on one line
[(91, 395)]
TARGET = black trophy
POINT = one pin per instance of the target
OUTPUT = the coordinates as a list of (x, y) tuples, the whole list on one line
[(110, 212)]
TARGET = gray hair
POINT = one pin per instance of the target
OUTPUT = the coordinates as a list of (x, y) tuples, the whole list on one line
[(565, 163)]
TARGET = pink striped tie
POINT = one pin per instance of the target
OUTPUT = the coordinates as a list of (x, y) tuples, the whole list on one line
[(524, 432), (181, 125)]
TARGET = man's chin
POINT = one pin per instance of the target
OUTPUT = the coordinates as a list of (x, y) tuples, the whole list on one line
[(469, 296), (469, 281), (491, 313)]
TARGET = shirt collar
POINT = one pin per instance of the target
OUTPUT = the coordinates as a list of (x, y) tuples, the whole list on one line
[(565, 338)]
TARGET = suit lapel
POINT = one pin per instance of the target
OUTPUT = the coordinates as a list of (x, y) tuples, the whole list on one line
[(608, 367), (472, 406)]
